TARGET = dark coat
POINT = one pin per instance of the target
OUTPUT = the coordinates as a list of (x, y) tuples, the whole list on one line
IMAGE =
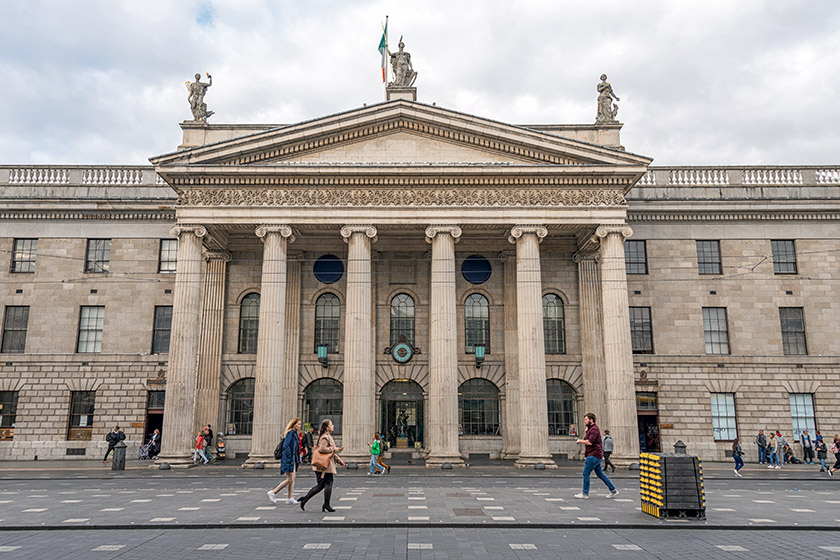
[(113, 438), (290, 459)]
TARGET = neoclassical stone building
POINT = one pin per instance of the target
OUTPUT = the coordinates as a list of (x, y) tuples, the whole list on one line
[(468, 287)]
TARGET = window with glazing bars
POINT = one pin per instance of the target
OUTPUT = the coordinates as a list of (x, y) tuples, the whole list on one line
[(784, 256), (249, 323), (23, 255), (162, 329), (554, 324), (478, 407), (793, 331), (635, 256), (240, 407), (641, 330), (716, 330), (15, 324), (402, 318), (477, 323), (98, 255), (327, 320), (802, 414), (91, 324), (708, 257), (8, 408), (168, 257), (82, 405), (562, 407), (723, 416)]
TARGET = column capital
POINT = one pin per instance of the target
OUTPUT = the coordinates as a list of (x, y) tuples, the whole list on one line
[(516, 232), (216, 256), (433, 230), (623, 230), (348, 230), (180, 229), (283, 230), (296, 255), (508, 255), (581, 256)]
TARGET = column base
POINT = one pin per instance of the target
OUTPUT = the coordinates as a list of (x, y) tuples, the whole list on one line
[(624, 462), (455, 460), (529, 462), (510, 456), (268, 461), (175, 462)]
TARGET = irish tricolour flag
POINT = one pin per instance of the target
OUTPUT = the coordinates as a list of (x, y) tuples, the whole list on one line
[(383, 49)]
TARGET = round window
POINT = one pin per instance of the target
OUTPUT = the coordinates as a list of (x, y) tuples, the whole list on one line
[(476, 269), (328, 269)]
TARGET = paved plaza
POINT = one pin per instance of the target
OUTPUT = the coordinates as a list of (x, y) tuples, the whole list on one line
[(85, 510)]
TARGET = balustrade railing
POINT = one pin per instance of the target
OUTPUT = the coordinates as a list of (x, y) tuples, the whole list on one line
[(38, 176)]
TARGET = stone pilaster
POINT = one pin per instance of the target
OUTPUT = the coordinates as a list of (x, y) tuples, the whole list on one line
[(442, 428), (531, 338), (292, 344), (618, 352), (270, 418), (179, 412), (510, 431), (210, 344), (591, 338), (358, 424)]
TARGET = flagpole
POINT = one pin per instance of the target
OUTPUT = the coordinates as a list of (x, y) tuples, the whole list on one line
[(387, 52)]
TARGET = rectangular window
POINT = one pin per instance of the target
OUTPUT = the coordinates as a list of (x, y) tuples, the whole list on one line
[(716, 330), (793, 331), (162, 329), (802, 414), (723, 416), (81, 414), (23, 255), (91, 323), (635, 257), (98, 255), (708, 257), (168, 255), (8, 414), (641, 330), (784, 256), (15, 324), (646, 401)]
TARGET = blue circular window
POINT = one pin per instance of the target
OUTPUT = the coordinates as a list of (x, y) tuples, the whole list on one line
[(476, 269), (328, 269)]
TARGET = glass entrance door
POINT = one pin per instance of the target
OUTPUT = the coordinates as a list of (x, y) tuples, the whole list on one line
[(402, 414)]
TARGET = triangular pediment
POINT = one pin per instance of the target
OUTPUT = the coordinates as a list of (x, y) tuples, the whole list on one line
[(400, 132)]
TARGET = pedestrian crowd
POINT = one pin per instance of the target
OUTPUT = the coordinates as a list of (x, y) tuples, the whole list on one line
[(777, 451)]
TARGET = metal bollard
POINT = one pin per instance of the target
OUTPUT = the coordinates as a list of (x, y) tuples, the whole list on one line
[(119, 457), (680, 448)]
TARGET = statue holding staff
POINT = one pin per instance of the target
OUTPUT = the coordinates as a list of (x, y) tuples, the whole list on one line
[(404, 74), (196, 90)]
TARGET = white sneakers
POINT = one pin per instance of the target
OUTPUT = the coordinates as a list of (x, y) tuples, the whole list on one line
[(738, 474), (292, 502), (582, 496), (272, 496), (613, 494)]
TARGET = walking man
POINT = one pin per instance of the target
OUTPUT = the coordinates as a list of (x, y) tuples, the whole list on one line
[(113, 438), (208, 441), (781, 443), (592, 445), (807, 448), (761, 442), (308, 442), (608, 446)]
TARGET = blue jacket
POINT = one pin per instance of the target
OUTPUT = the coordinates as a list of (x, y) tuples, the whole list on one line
[(291, 455)]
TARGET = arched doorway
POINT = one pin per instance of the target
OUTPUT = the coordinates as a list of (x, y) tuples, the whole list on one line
[(401, 405)]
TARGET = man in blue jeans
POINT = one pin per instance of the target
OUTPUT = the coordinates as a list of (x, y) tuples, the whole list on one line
[(592, 442)]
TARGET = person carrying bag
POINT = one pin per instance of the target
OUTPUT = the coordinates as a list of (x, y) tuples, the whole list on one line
[(324, 458)]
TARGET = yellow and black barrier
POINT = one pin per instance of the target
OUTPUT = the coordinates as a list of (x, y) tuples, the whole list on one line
[(671, 485)]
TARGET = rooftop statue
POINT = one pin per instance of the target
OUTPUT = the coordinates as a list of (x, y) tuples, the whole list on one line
[(196, 90), (606, 108), (404, 74)]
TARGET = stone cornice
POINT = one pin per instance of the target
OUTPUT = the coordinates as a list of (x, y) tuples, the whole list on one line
[(163, 215), (723, 216)]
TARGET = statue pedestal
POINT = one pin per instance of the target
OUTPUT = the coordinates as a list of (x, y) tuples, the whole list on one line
[(397, 92)]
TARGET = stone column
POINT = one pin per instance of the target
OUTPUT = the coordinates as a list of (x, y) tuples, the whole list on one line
[(591, 337), (292, 344), (177, 438), (442, 427), (269, 416), (511, 431), (618, 353), (358, 425), (529, 322), (210, 345)]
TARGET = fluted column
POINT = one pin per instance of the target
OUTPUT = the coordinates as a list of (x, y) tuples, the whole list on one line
[(358, 425), (269, 416), (179, 411), (511, 431), (618, 353), (442, 428), (292, 344), (533, 403), (591, 338), (210, 345)]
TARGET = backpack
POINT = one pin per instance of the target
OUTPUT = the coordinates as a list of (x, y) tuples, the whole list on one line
[(278, 451)]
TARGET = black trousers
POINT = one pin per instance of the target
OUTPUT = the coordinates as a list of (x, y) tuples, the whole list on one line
[(607, 462), (807, 454), (110, 448), (325, 483)]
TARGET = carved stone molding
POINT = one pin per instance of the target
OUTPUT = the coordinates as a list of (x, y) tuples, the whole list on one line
[(180, 229), (281, 229), (603, 231), (498, 197), (516, 232), (454, 231), (348, 230), (216, 256)]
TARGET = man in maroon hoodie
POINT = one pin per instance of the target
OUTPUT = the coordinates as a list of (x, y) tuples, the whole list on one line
[(592, 442)]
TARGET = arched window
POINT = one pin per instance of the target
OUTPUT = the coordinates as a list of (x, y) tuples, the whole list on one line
[(327, 313), (249, 323), (402, 318), (478, 408), (554, 324), (322, 399), (562, 407), (240, 407), (477, 323)]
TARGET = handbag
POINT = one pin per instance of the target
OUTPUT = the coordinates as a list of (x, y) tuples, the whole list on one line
[(321, 461)]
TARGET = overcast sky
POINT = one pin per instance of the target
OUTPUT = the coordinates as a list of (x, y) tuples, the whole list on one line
[(701, 82)]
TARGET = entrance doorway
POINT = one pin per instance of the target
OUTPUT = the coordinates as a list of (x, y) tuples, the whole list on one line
[(401, 405), (154, 413), (647, 411)]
